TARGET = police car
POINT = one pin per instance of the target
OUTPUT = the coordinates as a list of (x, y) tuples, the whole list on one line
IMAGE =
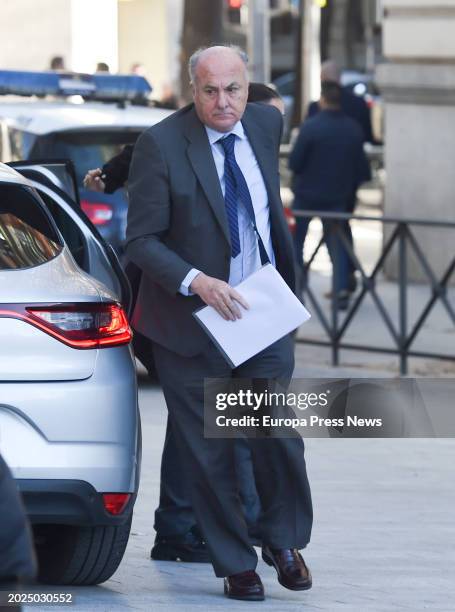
[(85, 118)]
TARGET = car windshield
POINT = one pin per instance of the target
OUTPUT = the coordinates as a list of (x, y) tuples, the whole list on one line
[(87, 150)]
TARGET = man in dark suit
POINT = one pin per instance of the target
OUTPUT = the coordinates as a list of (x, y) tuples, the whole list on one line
[(329, 164), (177, 535), (189, 231)]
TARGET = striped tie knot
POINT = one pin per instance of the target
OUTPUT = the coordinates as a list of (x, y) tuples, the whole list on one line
[(228, 142)]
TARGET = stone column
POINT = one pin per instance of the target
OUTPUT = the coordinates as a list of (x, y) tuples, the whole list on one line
[(338, 29), (418, 86)]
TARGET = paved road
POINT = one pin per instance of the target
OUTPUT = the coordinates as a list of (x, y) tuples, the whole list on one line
[(383, 538)]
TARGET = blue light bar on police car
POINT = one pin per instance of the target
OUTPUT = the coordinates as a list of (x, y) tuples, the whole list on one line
[(93, 87), (121, 87)]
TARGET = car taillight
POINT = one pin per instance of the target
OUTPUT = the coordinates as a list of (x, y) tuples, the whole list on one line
[(99, 213), (290, 219), (115, 503), (81, 326)]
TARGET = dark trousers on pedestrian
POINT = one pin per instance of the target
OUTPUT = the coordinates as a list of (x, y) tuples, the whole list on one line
[(209, 463), (337, 251)]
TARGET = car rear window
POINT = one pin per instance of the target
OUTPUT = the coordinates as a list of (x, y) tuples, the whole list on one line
[(27, 237), (87, 150)]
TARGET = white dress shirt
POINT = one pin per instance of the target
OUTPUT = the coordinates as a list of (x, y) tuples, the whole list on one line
[(248, 260)]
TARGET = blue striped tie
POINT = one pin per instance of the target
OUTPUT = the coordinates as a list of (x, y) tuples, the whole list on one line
[(232, 190)]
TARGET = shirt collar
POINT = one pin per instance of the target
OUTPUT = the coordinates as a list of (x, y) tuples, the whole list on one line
[(213, 135)]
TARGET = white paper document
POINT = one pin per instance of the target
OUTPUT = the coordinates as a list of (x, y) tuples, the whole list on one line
[(274, 312)]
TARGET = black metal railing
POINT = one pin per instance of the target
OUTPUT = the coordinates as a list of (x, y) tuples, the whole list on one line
[(403, 338)]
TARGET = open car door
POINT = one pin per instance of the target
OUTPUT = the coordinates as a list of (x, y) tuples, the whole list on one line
[(55, 181)]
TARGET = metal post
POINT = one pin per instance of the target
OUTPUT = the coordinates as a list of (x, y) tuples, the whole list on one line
[(369, 18), (335, 342), (402, 279), (311, 60), (259, 50)]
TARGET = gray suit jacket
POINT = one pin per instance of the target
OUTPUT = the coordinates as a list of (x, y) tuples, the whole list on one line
[(177, 219)]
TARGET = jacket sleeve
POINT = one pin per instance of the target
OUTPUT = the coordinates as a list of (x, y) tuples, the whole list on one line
[(116, 170), (363, 170), (149, 215)]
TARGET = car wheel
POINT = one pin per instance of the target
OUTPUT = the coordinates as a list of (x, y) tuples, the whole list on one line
[(79, 555)]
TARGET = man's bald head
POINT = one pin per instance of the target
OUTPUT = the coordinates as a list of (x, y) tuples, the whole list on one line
[(219, 80), (330, 71), (216, 54)]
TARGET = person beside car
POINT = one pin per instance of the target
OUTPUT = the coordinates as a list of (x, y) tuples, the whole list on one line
[(174, 510), (194, 242)]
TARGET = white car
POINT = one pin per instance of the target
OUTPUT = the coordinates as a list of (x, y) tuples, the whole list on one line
[(69, 419)]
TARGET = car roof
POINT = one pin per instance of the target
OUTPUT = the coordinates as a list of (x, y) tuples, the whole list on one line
[(43, 117), (9, 175)]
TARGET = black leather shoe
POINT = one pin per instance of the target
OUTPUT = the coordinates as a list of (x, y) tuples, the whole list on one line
[(292, 572), (190, 548), (352, 283), (246, 586), (343, 298)]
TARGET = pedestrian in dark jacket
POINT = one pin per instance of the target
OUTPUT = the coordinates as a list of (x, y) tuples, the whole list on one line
[(329, 164), (355, 107)]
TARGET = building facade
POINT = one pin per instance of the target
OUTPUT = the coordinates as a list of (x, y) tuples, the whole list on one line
[(418, 85), (84, 32)]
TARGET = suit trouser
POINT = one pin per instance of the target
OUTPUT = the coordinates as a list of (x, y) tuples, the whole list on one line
[(209, 464), (174, 516)]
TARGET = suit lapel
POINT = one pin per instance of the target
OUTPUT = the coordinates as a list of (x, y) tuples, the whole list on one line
[(201, 159)]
